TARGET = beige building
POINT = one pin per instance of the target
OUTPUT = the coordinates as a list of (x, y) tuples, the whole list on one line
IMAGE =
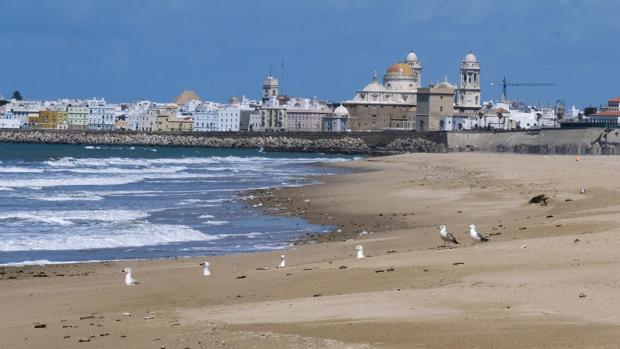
[(434, 103), (390, 105)]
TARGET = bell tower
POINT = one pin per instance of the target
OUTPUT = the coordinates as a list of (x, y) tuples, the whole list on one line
[(469, 91)]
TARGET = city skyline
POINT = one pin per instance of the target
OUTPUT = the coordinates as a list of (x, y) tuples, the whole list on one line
[(128, 50)]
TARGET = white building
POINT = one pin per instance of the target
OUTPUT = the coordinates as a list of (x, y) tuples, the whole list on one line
[(229, 118), (102, 117), (469, 90), (206, 119), (338, 121), (10, 120)]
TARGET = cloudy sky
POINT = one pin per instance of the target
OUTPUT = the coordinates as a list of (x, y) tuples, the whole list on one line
[(123, 50)]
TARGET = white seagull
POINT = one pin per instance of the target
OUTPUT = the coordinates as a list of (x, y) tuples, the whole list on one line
[(282, 261), (476, 236), (360, 251), (446, 236), (129, 281), (205, 269)]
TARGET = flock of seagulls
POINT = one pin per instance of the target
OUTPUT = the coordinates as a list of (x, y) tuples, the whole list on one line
[(445, 235)]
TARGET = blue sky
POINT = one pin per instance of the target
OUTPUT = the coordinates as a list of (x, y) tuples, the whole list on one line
[(123, 50)]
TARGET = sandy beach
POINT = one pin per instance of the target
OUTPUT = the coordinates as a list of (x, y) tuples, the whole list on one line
[(548, 278)]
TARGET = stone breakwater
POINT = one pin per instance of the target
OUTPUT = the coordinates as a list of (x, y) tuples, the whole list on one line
[(347, 143), (554, 141)]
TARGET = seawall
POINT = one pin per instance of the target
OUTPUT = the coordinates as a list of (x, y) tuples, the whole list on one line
[(552, 141), (349, 143)]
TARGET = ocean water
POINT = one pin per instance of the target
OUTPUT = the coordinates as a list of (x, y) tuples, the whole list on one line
[(72, 203)]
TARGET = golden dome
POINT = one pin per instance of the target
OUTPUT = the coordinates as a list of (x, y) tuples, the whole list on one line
[(400, 69)]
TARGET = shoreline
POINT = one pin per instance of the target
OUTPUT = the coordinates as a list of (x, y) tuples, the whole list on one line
[(546, 279), (20, 270)]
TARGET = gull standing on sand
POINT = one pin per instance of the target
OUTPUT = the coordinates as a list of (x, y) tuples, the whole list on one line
[(129, 280), (205, 269), (446, 236), (360, 251), (282, 261), (476, 236)]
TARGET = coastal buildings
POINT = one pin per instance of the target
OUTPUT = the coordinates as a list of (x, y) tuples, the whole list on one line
[(77, 117), (435, 103), (338, 121), (390, 105), (306, 115)]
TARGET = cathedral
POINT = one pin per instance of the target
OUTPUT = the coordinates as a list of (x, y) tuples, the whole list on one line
[(392, 104)]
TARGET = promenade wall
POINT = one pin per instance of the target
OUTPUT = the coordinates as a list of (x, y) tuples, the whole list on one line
[(552, 141)]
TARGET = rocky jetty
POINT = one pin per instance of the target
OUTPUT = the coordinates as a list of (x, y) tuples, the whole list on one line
[(361, 143)]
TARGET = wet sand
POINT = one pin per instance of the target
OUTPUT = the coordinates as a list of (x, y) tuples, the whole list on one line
[(547, 279)]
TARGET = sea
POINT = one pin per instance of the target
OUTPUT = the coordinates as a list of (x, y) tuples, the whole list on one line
[(79, 203)]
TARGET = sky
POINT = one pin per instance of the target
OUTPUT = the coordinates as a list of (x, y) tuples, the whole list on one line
[(124, 50)]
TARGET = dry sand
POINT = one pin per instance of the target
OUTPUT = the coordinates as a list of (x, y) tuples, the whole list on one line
[(547, 279)]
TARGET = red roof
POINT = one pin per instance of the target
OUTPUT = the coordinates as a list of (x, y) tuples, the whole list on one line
[(607, 113), (617, 99)]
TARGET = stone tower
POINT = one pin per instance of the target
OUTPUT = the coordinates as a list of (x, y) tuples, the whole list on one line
[(270, 88), (416, 67), (469, 91)]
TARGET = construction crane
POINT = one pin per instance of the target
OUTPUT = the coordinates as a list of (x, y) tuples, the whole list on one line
[(505, 84)]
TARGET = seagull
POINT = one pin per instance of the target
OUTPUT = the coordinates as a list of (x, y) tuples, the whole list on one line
[(360, 251), (446, 236), (282, 261), (205, 269), (476, 236), (129, 281), (582, 191)]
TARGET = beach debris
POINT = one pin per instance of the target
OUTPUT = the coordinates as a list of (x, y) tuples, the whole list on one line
[(582, 191), (539, 199), (38, 325), (282, 261), (476, 236), (66, 337), (126, 314), (241, 277), (87, 317), (582, 295), (522, 228), (149, 317), (568, 200), (524, 246), (262, 268), (360, 251), (391, 251), (205, 268), (307, 269), (576, 240), (495, 234), (455, 263), (339, 231), (446, 236), (390, 269), (364, 232), (84, 340), (342, 267), (129, 280), (549, 216), (379, 271), (317, 295)]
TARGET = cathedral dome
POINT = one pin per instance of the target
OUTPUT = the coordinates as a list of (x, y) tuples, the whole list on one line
[(374, 86), (411, 57), (470, 58), (341, 111), (399, 69)]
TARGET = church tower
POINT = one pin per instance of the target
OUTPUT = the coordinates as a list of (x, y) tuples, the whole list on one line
[(469, 91), (270, 89), (416, 66)]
